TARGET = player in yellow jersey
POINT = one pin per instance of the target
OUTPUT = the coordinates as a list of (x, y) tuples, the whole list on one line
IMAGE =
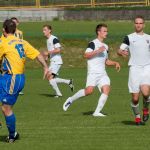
[(18, 33), (13, 52)]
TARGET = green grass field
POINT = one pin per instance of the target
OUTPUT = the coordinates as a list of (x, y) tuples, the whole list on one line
[(40, 118)]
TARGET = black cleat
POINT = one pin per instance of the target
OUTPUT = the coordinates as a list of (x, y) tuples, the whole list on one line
[(145, 115), (0, 125), (71, 85), (11, 140)]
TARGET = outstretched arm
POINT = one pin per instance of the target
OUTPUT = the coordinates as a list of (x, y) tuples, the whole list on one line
[(113, 63), (40, 58)]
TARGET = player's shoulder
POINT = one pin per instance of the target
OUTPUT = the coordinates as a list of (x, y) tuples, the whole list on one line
[(92, 44)]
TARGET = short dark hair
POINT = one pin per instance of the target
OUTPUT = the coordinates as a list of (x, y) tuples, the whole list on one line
[(141, 17), (47, 26), (99, 26), (14, 18), (9, 26)]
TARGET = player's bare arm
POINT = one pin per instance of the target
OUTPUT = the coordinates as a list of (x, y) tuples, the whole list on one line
[(113, 63), (89, 55), (40, 58)]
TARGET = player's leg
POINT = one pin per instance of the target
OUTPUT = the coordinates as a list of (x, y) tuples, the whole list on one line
[(9, 98), (76, 96), (135, 75), (145, 89), (61, 80), (52, 81), (104, 87), (90, 84), (10, 122), (135, 108), (54, 85)]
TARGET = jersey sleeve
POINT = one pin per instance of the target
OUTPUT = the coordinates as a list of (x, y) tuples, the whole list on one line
[(56, 43), (125, 44), (91, 47), (30, 51)]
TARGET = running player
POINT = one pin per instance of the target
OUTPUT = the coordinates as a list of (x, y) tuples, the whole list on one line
[(137, 44), (54, 50), (13, 52), (97, 56)]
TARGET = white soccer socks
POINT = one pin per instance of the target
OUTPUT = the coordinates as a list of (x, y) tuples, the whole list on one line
[(79, 94), (55, 87), (136, 110), (59, 80), (70, 100), (101, 102)]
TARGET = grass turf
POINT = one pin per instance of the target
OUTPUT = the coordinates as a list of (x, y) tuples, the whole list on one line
[(43, 124), (40, 118)]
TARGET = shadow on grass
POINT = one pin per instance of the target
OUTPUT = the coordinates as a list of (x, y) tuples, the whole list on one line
[(127, 122), (47, 95), (2, 138), (88, 113)]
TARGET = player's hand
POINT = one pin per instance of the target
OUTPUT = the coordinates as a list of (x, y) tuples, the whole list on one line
[(117, 66), (125, 53), (101, 49)]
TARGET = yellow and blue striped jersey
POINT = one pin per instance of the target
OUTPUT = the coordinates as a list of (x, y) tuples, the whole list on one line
[(13, 53)]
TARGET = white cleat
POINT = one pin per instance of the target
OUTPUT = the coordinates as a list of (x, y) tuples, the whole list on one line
[(57, 96), (67, 104), (98, 115)]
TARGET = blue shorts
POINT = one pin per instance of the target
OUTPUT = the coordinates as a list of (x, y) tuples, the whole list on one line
[(10, 86)]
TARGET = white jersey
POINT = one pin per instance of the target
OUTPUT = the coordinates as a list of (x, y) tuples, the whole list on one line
[(53, 43), (139, 48), (96, 64)]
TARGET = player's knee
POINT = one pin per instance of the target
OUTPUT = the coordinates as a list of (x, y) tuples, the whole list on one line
[(106, 90), (88, 91), (7, 111)]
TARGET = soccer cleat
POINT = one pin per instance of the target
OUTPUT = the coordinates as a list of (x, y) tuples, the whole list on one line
[(11, 140), (139, 122), (145, 114), (71, 85), (98, 115), (67, 104), (0, 125), (21, 93)]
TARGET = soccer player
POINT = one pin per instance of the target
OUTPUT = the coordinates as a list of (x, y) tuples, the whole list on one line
[(18, 33), (137, 45), (97, 56), (13, 52), (54, 50)]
